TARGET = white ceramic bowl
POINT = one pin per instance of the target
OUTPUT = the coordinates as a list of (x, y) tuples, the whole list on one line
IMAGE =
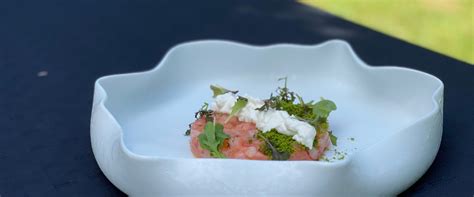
[(394, 114)]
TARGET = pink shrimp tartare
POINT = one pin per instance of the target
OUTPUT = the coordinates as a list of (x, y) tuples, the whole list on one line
[(278, 128)]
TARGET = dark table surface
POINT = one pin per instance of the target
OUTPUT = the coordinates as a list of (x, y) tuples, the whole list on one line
[(44, 121)]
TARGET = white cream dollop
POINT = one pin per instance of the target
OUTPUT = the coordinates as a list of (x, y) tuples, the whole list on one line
[(224, 103), (301, 131), (248, 113)]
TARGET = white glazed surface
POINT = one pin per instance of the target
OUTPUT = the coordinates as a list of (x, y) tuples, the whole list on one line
[(394, 114)]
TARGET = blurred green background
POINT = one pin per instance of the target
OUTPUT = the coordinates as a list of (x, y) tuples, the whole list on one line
[(445, 26)]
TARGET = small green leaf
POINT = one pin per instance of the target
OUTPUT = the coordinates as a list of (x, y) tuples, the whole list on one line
[(218, 90), (212, 138), (217, 155), (203, 141), (332, 138), (210, 131), (322, 108), (239, 105), (220, 135)]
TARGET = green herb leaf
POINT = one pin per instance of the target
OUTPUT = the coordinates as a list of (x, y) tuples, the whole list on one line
[(284, 93), (205, 106), (220, 135), (218, 90), (300, 100), (188, 132), (332, 138), (204, 112), (271, 103), (322, 108), (239, 105), (212, 138), (283, 78)]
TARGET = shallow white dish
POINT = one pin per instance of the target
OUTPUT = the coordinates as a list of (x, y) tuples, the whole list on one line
[(394, 114)]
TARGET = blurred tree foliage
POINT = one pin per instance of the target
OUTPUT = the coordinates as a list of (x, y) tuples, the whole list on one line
[(445, 26)]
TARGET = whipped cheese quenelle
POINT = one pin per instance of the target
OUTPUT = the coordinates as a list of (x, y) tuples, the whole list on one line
[(300, 131)]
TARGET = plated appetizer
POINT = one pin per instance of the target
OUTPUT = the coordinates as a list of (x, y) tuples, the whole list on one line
[(282, 127)]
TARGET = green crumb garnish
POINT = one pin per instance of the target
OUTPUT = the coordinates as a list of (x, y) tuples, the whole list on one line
[(322, 126), (299, 110), (313, 113), (277, 144), (339, 155)]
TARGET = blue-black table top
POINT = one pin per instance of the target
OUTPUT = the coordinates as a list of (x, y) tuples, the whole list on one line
[(44, 120)]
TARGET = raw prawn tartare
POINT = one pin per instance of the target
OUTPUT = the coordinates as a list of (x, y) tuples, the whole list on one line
[(282, 127)]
